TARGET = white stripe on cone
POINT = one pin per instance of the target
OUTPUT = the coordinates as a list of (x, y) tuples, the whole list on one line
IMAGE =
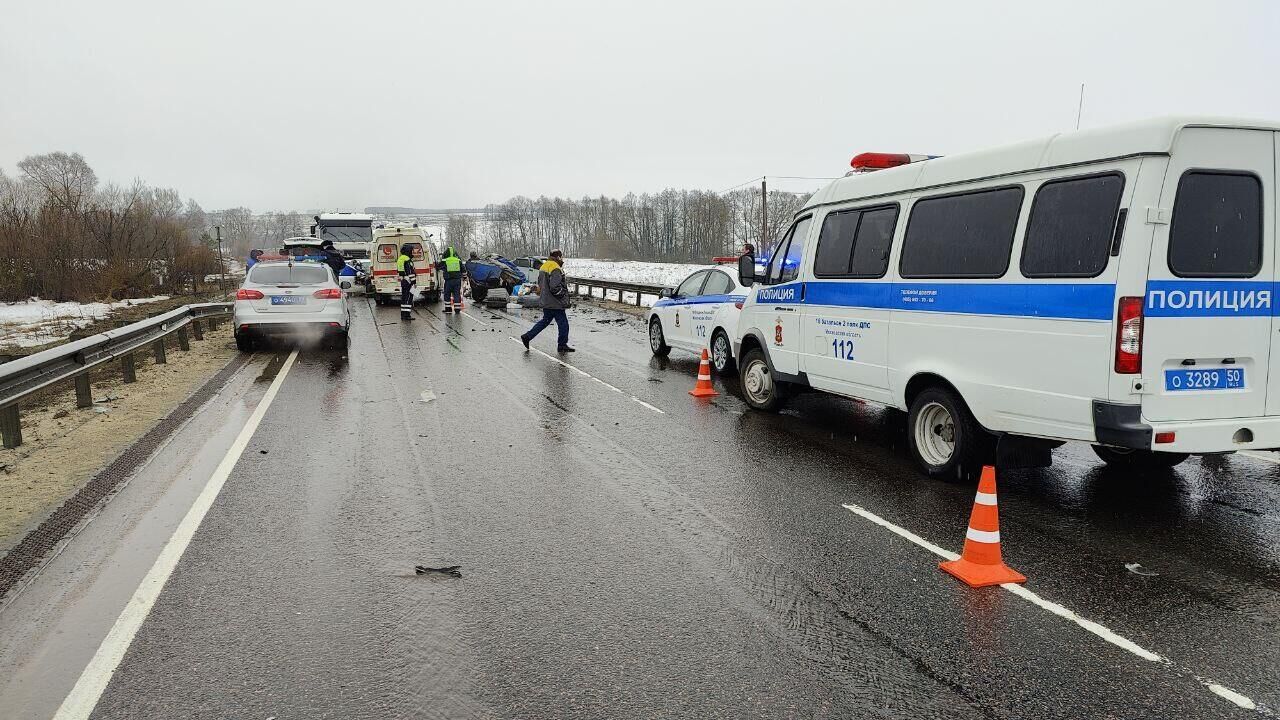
[(982, 536), (985, 498)]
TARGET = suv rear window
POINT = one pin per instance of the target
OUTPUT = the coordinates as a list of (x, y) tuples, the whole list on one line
[(1072, 222), (1217, 225), (961, 236), (298, 273)]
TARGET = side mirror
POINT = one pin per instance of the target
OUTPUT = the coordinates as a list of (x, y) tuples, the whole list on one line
[(345, 285), (747, 269), (667, 292)]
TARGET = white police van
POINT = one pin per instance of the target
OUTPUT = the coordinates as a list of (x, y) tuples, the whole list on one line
[(1112, 286), (701, 312)]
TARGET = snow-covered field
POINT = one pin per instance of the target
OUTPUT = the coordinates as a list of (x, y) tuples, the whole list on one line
[(633, 271), (36, 322)]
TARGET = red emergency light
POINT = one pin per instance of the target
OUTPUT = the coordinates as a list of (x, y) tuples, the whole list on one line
[(878, 161)]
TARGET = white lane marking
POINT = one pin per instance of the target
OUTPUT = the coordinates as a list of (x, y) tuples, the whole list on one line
[(473, 317), (83, 698), (1263, 458), (1059, 610), (593, 377)]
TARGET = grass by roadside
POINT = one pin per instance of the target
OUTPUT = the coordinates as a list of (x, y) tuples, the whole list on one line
[(64, 446)]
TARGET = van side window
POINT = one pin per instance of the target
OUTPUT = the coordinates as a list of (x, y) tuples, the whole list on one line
[(1217, 225), (795, 251), (775, 262), (1072, 221), (855, 243), (961, 236)]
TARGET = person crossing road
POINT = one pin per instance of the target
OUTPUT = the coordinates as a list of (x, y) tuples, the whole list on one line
[(408, 278), (553, 296)]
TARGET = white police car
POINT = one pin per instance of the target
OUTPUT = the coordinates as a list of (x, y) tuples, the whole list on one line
[(701, 312)]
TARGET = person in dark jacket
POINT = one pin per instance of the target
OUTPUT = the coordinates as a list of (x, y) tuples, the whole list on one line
[(553, 296), (254, 254), (452, 280), (332, 257), (408, 278)]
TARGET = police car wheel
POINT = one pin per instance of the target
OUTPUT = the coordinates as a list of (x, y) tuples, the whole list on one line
[(721, 353), (759, 388), (1141, 460), (944, 439), (658, 341), (245, 343)]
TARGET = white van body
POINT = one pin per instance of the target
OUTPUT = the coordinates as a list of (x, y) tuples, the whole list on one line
[(385, 249), (998, 276)]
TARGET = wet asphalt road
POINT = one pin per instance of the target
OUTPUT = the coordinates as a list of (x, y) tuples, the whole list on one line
[(618, 561)]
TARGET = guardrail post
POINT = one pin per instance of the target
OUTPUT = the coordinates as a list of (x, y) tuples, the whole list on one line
[(11, 427), (159, 350), (84, 396), (197, 330), (183, 343), (637, 298), (213, 323), (128, 368)]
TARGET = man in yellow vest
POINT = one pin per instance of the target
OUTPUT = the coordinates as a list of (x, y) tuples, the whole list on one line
[(408, 277), (452, 280)]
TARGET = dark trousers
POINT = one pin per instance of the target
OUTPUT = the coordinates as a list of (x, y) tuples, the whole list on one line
[(406, 298), (453, 291), (561, 319)]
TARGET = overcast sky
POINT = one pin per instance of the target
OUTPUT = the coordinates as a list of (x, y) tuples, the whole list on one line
[(327, 104)]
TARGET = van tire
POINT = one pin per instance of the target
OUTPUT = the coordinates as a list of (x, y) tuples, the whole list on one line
[(1141, 460), (722, 363), (657, 339), (759, 388), (944, 439)]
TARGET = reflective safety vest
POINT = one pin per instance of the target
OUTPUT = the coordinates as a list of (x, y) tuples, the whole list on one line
[(404, 265), (453, 264)]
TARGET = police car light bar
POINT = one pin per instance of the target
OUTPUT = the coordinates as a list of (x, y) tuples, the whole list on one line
[(868, 161)]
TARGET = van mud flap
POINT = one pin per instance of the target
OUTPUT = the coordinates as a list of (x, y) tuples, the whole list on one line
[(1015, 452)]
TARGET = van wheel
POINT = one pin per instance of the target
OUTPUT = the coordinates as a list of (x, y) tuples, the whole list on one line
[(759, 388), (658, 341), (1141, 460), (721, 353), (944, 439)]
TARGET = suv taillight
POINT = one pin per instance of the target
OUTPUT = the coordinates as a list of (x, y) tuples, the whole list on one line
[(1129, 336), (243, 294), (328, 294)]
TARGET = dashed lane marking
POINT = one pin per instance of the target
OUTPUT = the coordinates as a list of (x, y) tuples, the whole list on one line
[(593, 377), (473, 317), (1106, 634), (83, 698)]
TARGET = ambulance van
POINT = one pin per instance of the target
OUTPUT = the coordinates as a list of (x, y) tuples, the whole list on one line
[(1112, 286), (385, 249)]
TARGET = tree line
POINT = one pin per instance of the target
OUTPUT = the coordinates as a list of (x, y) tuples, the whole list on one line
[(63, 236), (670, 226)]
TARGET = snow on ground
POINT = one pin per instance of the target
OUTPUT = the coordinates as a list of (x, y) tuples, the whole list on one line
[(632, 271), (36, 322)]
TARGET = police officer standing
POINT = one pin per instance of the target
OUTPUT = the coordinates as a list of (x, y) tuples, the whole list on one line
[(408, 277), (452, 280)]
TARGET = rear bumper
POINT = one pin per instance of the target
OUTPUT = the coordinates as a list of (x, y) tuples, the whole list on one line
[(1123, 426), (328, 320)]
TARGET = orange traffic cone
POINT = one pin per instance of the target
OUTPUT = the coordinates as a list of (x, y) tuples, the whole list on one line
[(980, 564), (704, 388)]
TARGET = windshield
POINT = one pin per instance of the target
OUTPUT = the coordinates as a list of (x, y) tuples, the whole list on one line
[(338, 233), (296, 274)]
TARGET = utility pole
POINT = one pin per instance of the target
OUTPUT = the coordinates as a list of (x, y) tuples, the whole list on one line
[(764, 214), (222, 265)]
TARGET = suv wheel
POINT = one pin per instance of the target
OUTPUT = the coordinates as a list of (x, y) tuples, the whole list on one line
[(657, 341), (721, 353)]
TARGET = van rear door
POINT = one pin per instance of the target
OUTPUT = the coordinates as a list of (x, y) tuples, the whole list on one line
[(1207, 327)]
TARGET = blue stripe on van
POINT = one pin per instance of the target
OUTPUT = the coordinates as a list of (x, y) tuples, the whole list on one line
[(1072, 301), (1209, 298)]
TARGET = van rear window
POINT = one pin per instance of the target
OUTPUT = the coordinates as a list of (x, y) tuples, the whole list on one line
[(961, 236), (1072, 222), (1217, 225)]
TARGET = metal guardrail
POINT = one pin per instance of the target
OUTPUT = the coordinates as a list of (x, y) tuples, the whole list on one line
[(621, 287), (21, 377)]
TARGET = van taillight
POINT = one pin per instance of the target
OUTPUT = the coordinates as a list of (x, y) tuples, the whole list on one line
[(243, 294), (1129, 336)]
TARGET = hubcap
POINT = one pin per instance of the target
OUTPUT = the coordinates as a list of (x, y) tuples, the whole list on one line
[(935, 434), (655, 336), (757, 383), (720, 352)]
